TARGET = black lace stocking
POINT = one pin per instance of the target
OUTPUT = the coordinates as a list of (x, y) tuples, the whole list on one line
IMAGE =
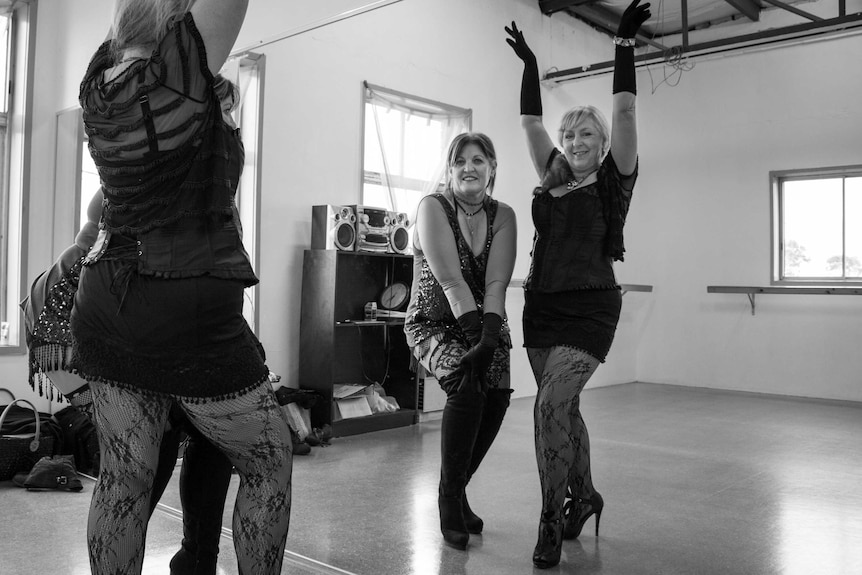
[(251, 430), (562, 441)]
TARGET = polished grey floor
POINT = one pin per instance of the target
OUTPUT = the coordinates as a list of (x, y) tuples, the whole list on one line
[(695, 482)]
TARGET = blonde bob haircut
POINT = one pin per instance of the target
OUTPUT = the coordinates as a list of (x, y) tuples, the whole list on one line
[(579, 114), (460, 142), (142, 23)]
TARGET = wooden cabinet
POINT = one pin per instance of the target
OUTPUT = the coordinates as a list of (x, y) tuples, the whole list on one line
[(337, 345)]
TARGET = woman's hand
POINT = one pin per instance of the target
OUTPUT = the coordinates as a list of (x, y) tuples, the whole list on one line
[(519, 45), (632, 19), (475, 364)]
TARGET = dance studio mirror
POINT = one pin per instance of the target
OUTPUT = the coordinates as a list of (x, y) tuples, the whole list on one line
[(340, 94)]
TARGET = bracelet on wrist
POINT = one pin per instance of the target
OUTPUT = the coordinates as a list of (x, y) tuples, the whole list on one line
[(624, 42)]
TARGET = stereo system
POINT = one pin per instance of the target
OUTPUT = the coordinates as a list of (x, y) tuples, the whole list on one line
[(359, 228)]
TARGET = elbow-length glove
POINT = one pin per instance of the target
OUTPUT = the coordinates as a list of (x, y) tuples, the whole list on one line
[(478, 358), (624, 56), (531, 98)]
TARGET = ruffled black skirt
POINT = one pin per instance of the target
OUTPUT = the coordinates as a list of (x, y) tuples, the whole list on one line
[(183, 337)]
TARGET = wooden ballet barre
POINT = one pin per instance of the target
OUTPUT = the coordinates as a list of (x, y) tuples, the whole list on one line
[(752, 291)]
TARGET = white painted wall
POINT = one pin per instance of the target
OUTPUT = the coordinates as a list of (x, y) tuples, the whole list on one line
[(446, 50), (700, 215)]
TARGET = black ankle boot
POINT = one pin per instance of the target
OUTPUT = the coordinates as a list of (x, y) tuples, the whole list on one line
[(462, 416), (550, 544)]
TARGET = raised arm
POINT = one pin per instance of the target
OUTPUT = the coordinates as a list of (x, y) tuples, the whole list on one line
[(538, 141), (624, 136), (441, 252), (219, 22)]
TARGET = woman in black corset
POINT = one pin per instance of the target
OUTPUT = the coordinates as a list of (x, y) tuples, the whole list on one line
[(572, 299), (157, 319), (464, 254), (206, 472)]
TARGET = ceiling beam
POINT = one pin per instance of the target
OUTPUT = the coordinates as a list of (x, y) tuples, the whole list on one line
[(548, 7), (684, 14), (772, 36), (795, 10), (748, 8), (609, 22)]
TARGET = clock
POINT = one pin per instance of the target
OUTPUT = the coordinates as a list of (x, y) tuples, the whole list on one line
[(395, 296)]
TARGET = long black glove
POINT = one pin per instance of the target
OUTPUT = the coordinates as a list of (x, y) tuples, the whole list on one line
[(531, 98), (471, 325), (478, 359), (624, 61)]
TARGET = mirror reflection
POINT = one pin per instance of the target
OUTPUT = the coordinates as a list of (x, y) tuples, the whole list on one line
[(354, 209)]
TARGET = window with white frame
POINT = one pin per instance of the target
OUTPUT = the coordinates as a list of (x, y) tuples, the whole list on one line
[(817, 226), (16, 47), (405, 140)]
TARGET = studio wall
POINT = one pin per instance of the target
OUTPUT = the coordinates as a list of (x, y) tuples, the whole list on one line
[(700, 215)]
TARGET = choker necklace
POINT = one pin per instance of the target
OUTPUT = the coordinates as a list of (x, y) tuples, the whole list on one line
[(469, 215), (466, 203)]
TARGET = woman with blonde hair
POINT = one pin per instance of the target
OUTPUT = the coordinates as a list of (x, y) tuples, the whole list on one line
[(572, 300), (157, 320)]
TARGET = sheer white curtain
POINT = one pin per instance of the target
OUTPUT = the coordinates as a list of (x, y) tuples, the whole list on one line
[(406, 138)]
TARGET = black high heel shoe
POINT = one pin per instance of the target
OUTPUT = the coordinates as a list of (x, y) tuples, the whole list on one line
[(577, 513), (550, 545)]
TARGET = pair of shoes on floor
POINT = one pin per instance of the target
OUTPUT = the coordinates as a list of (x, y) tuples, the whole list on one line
[(51, 472)]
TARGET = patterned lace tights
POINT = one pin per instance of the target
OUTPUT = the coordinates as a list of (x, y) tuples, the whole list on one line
[(562, 441), (251, 430)]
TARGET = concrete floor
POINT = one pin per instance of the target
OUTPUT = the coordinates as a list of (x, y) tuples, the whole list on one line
[(695, 482)]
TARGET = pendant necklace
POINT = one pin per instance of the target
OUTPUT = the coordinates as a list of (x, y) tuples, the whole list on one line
[(575, 182), (469, 215)]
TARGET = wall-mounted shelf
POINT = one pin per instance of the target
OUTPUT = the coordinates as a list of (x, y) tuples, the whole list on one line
[(624, 288), (752, 291)]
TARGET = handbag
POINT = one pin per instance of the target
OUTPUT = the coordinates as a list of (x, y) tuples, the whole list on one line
[(20, 452)]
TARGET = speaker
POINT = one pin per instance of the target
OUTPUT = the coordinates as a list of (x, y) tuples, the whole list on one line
[(333, 228), (399, 237)]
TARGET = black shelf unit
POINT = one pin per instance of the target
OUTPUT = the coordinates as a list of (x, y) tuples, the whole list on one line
[(337, 345)]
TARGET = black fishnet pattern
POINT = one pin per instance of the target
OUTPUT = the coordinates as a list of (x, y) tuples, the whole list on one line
[(561, 438)]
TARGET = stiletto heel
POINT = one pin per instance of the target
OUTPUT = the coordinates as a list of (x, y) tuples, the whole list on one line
[(550, 545), (578, 511)]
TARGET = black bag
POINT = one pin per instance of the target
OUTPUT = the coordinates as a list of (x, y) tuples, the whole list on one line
[(26, 435), (80, 439)]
